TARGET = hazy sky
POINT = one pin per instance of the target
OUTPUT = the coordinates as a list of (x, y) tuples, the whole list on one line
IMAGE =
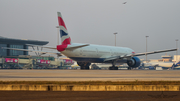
[(95, 21)]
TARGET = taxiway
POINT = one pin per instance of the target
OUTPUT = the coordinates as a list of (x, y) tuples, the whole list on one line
[(89, 75)]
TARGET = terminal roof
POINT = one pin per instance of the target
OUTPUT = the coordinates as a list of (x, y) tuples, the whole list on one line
[(4, 40)]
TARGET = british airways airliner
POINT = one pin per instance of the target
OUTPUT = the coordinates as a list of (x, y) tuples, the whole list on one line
[(85, 54)]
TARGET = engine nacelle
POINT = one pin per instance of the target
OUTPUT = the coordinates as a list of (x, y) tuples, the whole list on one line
[(134, 62)]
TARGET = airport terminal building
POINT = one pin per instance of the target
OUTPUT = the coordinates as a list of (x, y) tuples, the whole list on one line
[(17, 43), (15, 59)]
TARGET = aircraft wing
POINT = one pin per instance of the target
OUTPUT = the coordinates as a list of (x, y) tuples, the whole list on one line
[(137, 54), (153, 52), (42, 52)]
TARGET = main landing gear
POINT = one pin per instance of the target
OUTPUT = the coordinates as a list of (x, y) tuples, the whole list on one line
[(113, 67), (84, 65), (129, 68)]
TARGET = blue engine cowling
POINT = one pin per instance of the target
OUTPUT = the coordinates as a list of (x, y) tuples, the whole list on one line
[(134, 62)]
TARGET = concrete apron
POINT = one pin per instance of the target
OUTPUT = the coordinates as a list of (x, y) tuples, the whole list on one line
[(24, 87)]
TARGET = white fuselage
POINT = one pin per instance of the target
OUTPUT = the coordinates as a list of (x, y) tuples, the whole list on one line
[(95, 53)]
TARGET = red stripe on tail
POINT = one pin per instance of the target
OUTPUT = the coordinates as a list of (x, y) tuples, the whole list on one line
[(61, 22), (66, 41)]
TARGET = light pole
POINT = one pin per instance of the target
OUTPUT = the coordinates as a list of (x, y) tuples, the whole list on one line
[(146, 47), (177, 49), (115, 38), (57, 35)]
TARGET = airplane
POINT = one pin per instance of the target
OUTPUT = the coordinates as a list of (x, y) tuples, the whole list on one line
[(124, 2), (160, 64), (163, 65), (176, 66), (85, 54)]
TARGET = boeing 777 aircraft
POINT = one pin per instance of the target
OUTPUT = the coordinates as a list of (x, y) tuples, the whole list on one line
[(85, 54), (164, 65)]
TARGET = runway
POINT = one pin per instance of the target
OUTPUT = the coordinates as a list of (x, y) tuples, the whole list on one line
[(89, 75)]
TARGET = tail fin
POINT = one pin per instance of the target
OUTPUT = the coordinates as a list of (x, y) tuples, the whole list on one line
[(177, 64), (65, 39)]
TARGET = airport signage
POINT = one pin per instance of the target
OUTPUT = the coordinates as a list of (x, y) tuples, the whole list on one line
[(67, 61), (43, 61), (11, 60)]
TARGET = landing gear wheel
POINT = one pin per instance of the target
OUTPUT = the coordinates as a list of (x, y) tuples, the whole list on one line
[(84, 65), (110, 68), (113, 68), (154, 68), (129, 68)]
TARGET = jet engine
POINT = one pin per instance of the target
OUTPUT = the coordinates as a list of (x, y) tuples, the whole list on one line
[(134, 62)]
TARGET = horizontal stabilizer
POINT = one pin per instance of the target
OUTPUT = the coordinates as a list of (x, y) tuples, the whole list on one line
[(75, 47)]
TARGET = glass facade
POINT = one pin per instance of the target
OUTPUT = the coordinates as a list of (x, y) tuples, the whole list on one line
[(25, 52), (8, 52), (17, 43), (16, 52), (3, 52)]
